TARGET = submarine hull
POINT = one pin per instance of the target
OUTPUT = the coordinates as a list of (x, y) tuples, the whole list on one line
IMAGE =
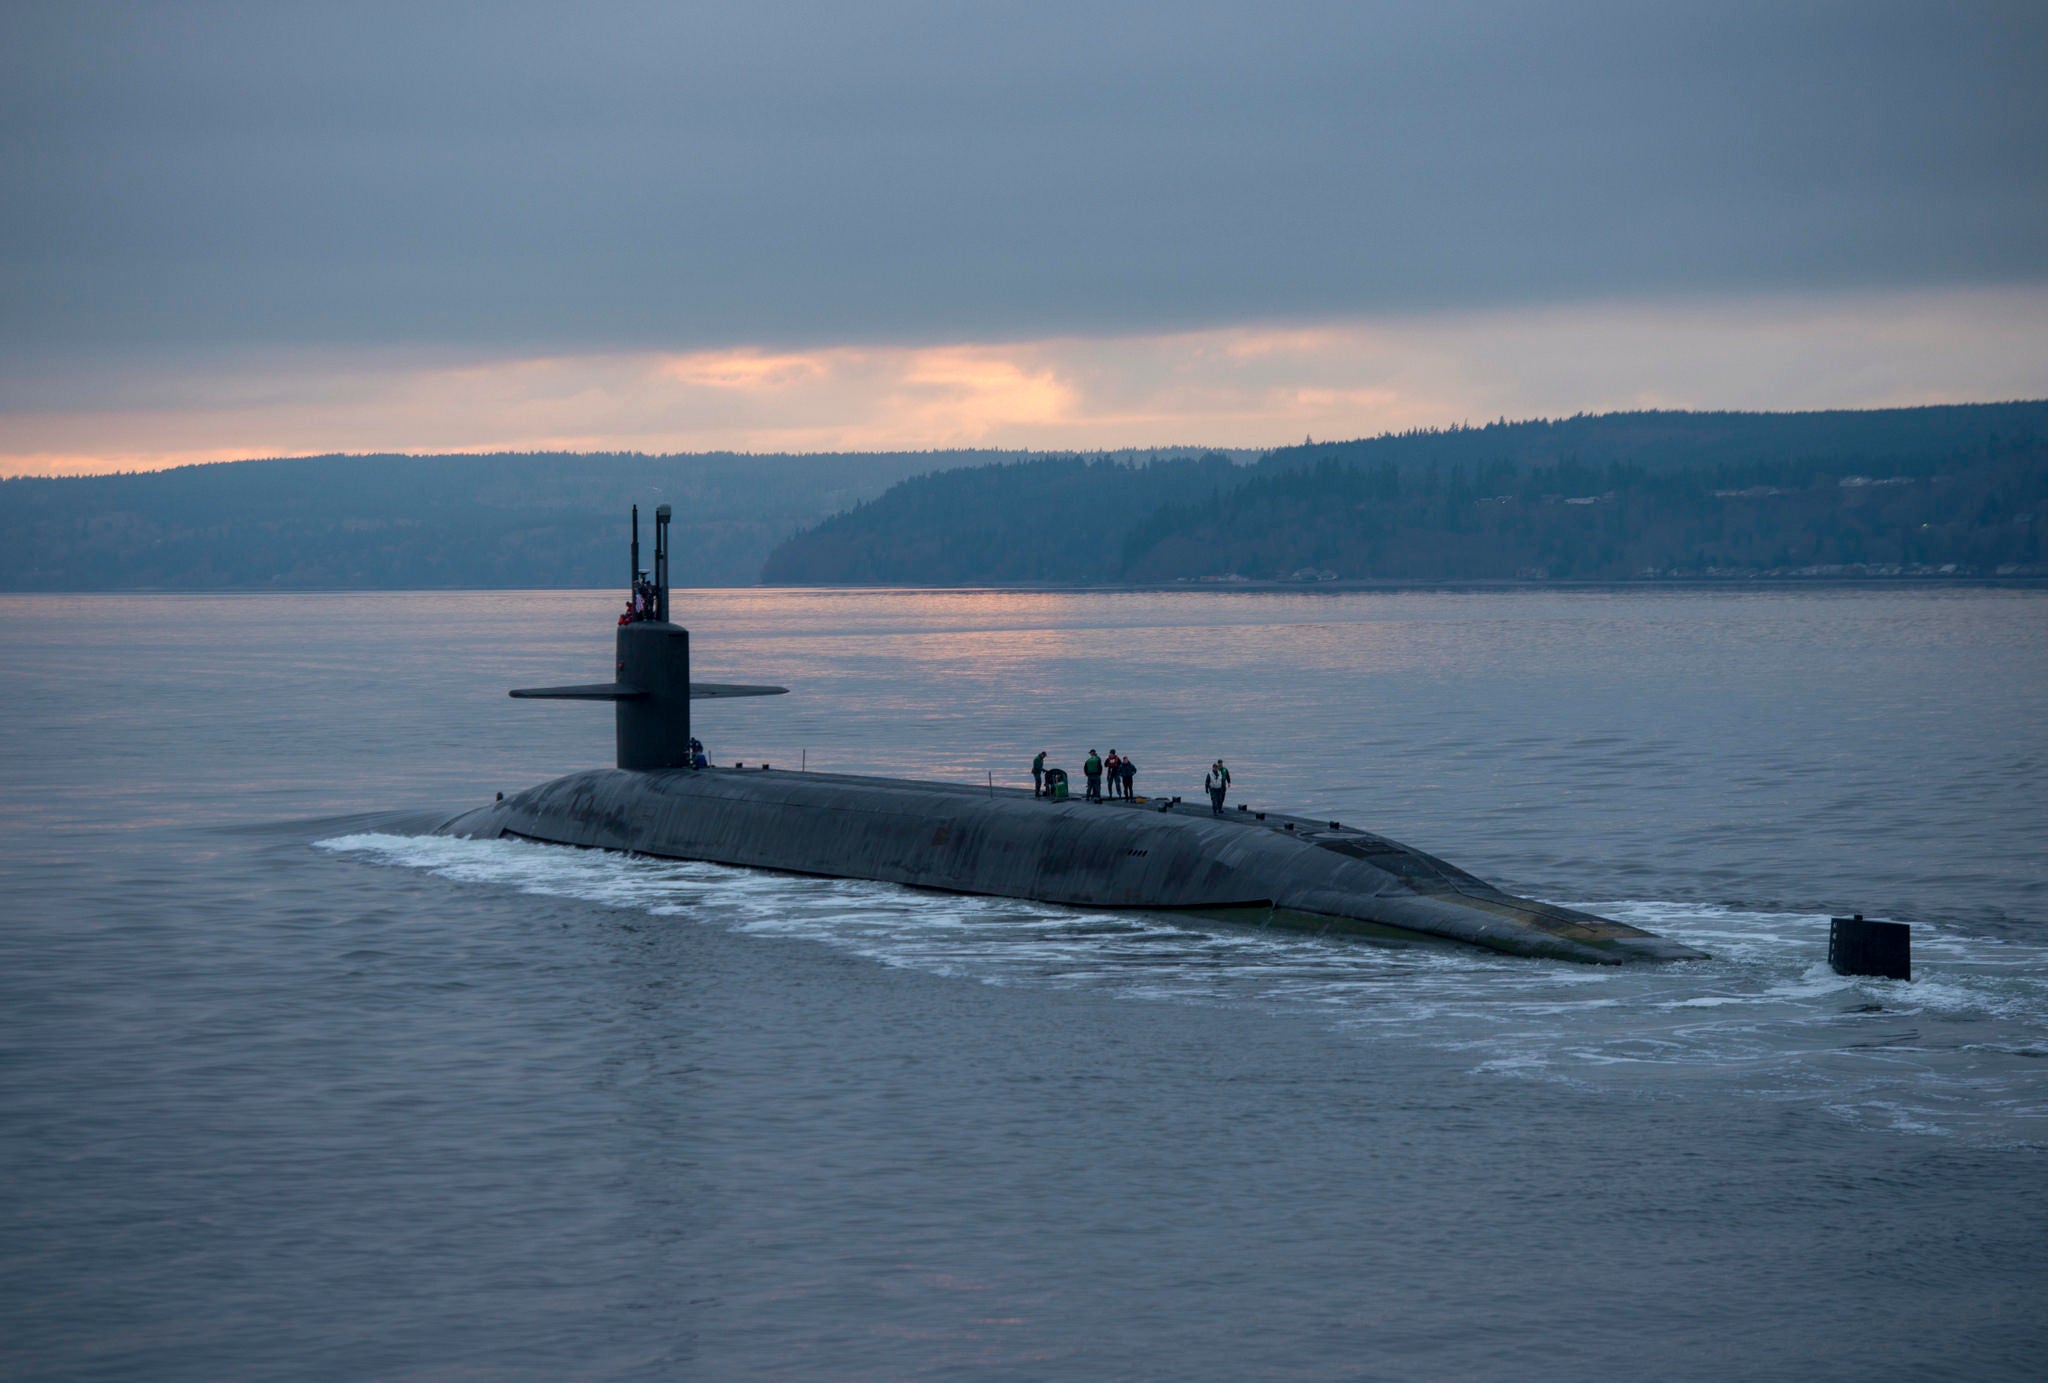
[(1286, 871)]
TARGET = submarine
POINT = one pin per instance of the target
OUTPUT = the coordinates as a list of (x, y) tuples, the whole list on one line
[(1263, 868)]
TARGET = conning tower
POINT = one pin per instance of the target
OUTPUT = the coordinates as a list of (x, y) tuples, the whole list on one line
[(652, 691)]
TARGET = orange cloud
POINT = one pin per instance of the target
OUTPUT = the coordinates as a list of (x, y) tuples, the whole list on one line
[(747, 370), (1252, 345), (969, 394)]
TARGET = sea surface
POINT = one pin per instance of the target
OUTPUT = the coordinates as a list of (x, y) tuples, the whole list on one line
[(291, 1087)]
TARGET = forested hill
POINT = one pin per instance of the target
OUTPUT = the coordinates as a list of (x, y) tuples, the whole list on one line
[(1057, 520), (1672, 441), (515, 520), (1609, 497)]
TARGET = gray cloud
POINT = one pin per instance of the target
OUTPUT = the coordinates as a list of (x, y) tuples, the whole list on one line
[(614, 175)]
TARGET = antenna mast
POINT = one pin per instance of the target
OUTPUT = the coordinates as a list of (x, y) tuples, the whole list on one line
[(661, 562)]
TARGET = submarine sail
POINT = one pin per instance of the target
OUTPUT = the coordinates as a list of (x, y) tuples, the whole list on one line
[(653, 688)]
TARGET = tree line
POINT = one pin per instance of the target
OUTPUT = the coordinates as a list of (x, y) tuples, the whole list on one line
[(1612, 497), (424, 522)]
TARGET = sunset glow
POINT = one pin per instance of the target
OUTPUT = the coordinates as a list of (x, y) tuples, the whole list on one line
[(1257, 385)]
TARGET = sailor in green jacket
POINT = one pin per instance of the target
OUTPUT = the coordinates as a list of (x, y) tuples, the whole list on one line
[(1093, 768)]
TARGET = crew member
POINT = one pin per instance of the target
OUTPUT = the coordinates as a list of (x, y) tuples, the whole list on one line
[(1217, 781), (1129, 774), (1038, 775), (1114, 767), (1093, 768)]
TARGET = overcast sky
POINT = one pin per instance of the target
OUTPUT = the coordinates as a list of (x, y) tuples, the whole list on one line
[(238, 229)]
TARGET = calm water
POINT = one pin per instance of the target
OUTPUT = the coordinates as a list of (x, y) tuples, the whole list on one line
[(289, 1087)]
